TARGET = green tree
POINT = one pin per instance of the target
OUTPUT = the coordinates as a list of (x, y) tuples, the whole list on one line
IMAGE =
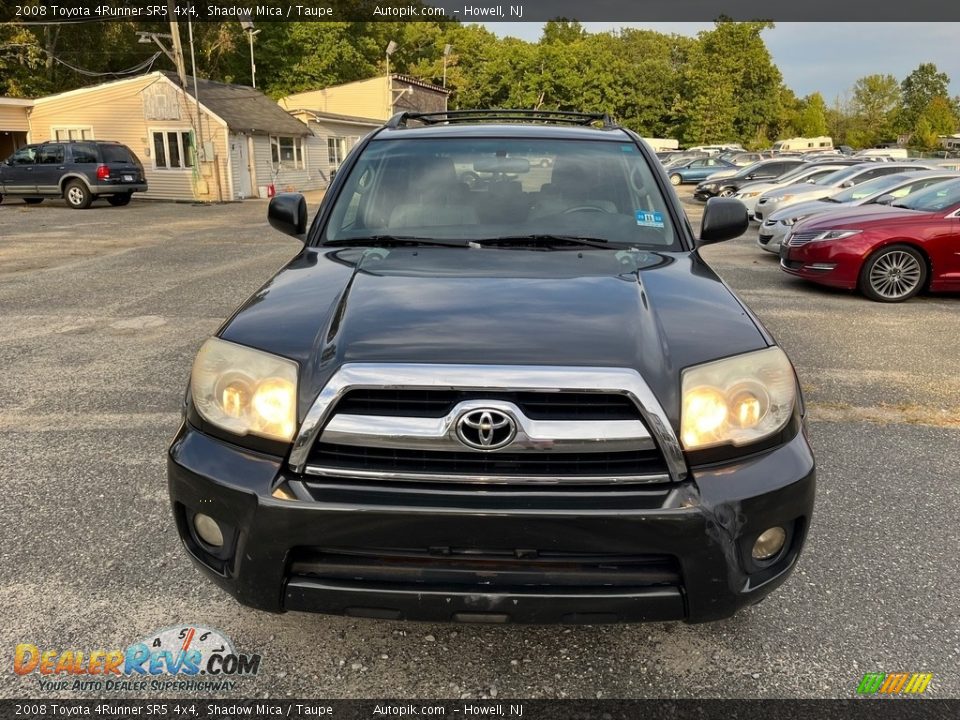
[(813, 117), (917, 90), (731, 86), (938, 118), (876, 99)]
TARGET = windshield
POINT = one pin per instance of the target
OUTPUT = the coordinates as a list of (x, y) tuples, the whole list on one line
[(460, 189), (939, 197), (870, 187)]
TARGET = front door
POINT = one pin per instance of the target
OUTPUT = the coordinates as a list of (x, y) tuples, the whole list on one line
[(16, 174), (241, 159)]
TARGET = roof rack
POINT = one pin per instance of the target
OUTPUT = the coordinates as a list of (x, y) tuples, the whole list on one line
[(449, 117)]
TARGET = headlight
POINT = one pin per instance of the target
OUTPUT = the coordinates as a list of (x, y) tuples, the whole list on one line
[(836, 234), (748, 194), (708, 186), (793, 220), (780, 198), (245, 391), (738, 400)]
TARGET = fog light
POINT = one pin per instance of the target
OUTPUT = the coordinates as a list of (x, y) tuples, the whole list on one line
[(209, 531), (769, 543)]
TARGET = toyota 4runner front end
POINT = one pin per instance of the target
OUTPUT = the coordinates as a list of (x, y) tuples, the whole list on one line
[(495, 390)]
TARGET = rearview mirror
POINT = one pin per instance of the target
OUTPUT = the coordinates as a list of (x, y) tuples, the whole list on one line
[(502, 165), (723, 219), (885, 199), (288, 214)]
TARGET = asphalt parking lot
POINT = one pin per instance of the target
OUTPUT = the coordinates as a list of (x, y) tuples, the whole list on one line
[(101, 313)]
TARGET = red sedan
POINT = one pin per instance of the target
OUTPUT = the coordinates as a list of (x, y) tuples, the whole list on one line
[(889, 253)]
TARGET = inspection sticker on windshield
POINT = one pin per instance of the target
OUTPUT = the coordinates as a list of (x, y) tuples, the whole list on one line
[(649, 219)]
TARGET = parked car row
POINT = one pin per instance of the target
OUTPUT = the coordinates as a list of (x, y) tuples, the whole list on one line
[(889, 252), (889, 229)]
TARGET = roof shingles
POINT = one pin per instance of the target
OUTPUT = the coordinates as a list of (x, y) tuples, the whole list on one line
[(243, 108)]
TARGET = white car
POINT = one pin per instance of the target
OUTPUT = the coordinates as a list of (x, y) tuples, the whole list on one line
[(881, 190), (781, 197), (751, 192)]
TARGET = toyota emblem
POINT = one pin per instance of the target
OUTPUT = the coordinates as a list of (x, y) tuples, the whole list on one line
[(486, 429)]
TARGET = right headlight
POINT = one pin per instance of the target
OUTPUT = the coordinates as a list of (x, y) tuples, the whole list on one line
[(245, 391), (737, 400)]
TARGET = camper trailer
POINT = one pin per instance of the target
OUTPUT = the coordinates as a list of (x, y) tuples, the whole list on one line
[(800, 144)]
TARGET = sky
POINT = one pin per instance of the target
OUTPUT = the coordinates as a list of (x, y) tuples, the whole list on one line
[(824, 57)]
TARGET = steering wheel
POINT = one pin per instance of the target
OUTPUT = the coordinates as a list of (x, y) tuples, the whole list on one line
[(586, 208)]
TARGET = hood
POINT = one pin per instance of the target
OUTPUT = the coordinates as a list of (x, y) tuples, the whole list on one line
[(805, 190), (655, 312), (809, 207), (757, 186), (854, 216)]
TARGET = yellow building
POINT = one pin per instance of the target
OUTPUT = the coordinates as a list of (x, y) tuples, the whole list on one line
[(379, 98), (14, 125)]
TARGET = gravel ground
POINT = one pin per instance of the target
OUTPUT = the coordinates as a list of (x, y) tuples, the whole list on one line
[(101, 313)]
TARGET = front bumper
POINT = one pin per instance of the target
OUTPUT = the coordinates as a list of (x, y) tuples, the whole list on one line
[(769, 237), (696, 536)]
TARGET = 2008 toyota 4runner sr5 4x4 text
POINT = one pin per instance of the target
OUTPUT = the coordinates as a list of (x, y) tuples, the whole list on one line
[(491, 388)]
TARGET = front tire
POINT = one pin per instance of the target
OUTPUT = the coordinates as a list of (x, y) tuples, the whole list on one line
[(120, 200), (675, 180), (77, 195), (893, 274), (726, 192)]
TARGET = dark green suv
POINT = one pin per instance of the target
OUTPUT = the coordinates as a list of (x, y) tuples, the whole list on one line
[(79, 172)]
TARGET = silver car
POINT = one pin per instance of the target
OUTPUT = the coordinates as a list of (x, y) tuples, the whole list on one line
[(881, 190), (781, 197), (749, 194)]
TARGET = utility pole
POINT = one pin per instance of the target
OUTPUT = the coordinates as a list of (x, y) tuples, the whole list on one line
[(177, 47), (201, 153)]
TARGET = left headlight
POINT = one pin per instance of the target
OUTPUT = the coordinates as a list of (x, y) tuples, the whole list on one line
[(836, 234), (245, 391), (749, 193), (791, 221), (738, 400)]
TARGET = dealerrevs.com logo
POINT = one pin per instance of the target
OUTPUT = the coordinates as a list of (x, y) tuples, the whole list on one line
[(191, 658)]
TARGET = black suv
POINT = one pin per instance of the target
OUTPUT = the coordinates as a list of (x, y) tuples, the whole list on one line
[(520, 398), (78, 171), (763, 170)]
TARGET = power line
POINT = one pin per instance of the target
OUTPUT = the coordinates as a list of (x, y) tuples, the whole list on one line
[(140, 67)]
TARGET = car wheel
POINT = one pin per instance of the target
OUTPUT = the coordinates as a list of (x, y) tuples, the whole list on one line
[(33, 201), (726, 192), (120, 200), (675, 180), (77, 195), (893, 274)]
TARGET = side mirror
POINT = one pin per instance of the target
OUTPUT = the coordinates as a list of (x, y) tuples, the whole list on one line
[(288, 214), (885, 199), (723, 219), (848, 184)]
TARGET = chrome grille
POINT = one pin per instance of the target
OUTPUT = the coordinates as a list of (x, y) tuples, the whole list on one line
[(801, 238), (537, 406), (487, 424)]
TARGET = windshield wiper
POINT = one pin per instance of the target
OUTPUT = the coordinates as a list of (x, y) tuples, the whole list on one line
[(545, 239), (376, 240)]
